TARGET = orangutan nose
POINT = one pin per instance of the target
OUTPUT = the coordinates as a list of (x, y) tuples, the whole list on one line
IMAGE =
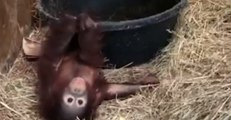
[(78, 85)]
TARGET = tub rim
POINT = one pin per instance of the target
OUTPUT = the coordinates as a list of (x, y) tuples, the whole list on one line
[(133, 23)]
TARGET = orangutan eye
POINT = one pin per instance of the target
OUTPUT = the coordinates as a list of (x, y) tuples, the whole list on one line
[(81, 102), (68, 99)]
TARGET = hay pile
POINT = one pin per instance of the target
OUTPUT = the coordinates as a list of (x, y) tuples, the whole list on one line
[(195, 73)]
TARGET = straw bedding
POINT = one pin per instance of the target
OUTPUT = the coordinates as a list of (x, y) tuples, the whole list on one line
[(194, 70)]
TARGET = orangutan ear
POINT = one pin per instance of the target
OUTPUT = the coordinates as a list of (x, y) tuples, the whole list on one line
[(99, 97)]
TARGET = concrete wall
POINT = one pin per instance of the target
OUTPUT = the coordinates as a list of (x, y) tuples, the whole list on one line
[(15, 17)]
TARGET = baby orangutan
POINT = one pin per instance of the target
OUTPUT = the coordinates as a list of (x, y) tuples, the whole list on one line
[(71, 83)]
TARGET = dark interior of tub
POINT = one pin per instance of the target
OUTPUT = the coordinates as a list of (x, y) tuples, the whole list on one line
[(114, 10), (122, 47), (138, 9)]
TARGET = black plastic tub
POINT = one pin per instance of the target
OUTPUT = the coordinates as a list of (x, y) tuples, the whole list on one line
[(135, 30)]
